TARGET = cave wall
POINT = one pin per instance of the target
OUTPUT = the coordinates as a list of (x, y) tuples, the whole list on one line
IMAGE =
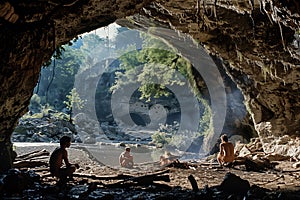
[(254, 39), (29, 33)]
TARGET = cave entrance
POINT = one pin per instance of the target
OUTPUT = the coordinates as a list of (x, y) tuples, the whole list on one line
[(131, 86)]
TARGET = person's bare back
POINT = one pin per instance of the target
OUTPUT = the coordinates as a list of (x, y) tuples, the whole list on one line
[(226, 154), (56, 160)]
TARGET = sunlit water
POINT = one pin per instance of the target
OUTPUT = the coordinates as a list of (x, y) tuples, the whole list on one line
[(108, 153)]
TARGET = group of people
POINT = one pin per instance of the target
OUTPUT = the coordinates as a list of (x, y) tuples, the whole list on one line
[(60, 155), (61, 168)]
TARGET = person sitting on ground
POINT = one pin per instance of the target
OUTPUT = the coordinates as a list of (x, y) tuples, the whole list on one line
[(126, 159), (226, 154), (57, 157), (167, 158)]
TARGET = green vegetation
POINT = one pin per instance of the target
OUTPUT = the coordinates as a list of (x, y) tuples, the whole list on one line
[(154, 66), (74, 102), (46, 111), (158, 63), (58, 75), (57, 80), (163, 135)]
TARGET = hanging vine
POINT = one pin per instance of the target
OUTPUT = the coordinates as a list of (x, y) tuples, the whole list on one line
[(57, 54)]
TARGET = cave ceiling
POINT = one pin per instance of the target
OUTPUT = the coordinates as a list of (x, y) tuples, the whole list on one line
[(256, 39)]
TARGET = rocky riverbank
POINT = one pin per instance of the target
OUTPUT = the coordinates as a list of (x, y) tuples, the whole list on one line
[(275, 174), (87, 131), (213, 182), (50, 127)]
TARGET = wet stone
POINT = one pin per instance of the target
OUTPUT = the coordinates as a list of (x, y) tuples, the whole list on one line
[(100, 194), (77, 191), (256, 192), (16, 182)]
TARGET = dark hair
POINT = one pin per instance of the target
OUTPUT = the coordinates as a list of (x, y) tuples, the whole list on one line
[(127, 149), (224, 138), (64, 140)]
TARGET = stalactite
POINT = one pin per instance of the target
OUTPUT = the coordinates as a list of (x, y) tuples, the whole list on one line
[(251, 2), (204, 6), (282, 39), (215, 11), (198, 12), (266, 12)]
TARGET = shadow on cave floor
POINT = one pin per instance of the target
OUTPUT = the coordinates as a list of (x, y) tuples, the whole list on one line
[(191, 180)]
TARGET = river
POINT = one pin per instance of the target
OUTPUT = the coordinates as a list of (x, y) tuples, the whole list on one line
[(108, 153)]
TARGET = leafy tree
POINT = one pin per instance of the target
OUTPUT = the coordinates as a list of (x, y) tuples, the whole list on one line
[(57, 80), (95, 49), (157, 61), (73, 102), (158, 65)]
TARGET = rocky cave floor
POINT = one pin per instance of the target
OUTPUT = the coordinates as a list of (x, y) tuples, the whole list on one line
[(281, 182)]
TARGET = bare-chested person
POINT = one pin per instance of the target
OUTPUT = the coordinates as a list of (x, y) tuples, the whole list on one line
[(57, 157), (167, 158), (226, 154), (126, 159)]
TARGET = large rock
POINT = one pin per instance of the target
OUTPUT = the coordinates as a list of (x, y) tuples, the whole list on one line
[(43, 129), (233, 184)]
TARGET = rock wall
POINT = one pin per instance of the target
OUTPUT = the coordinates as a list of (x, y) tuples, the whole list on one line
[(258, 41), (29, 34)]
